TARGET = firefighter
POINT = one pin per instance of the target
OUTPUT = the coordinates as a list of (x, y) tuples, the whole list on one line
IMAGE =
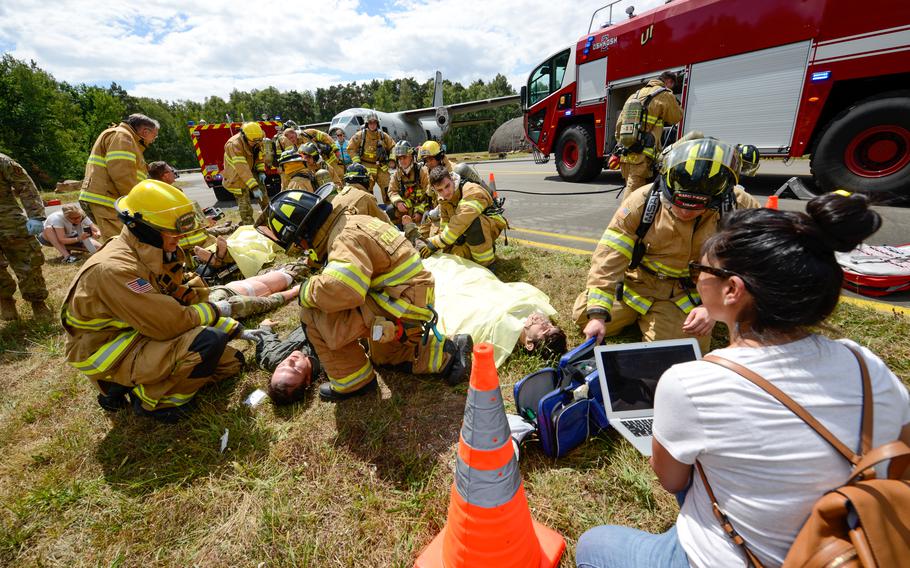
[(470, 219), (18, 246), (354, 196), (432, 155), (409, 188), (371, 147), (314, 163), (639, 272), (287, 141), (293, 168), (660, 108), (241, 158), (373, 291), (130, 322), (114, 166), (328, 149)]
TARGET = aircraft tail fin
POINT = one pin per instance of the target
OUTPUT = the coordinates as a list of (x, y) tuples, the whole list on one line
[(437, 90)]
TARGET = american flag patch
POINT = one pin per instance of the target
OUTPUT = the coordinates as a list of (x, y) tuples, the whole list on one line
[(139, 285)]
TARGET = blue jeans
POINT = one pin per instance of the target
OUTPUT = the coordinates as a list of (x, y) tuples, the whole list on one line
[(613, 546)]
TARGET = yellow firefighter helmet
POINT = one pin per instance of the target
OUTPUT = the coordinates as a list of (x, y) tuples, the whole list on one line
[(160, 206)]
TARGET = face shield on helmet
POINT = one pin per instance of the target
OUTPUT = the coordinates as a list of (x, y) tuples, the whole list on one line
[(310, 149), (750, 157), (154, 207), (292, 216), (357, 173), (696, 174)]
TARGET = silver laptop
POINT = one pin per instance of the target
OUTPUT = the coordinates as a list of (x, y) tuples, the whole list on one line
[(628, 379)]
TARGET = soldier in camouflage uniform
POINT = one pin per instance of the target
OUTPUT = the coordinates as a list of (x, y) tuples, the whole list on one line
[(18, 247)]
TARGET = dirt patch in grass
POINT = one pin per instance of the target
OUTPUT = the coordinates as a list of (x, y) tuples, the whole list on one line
[(361, 483)]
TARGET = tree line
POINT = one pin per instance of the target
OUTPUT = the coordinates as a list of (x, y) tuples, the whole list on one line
[(49, 126)]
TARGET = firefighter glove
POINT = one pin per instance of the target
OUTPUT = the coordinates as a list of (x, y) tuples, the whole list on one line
[(425, 248), (253, 334), (34, 226), (223, 307)]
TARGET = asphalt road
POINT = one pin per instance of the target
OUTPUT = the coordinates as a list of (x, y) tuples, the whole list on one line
[(556, 219)]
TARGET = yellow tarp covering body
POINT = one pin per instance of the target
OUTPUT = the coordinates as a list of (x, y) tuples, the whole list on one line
[(470, 299), (250, 250)]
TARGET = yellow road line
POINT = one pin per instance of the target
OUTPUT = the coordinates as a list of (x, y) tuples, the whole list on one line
[(555, 235), (878, 306), (548, 246)]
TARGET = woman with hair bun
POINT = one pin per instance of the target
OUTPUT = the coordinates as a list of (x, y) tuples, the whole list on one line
[(770, 276)]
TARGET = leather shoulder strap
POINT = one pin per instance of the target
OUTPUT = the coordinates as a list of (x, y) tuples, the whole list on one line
[(724, 521), (794, 407)]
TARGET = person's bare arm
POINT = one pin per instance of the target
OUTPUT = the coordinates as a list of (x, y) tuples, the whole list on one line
[(672, 474)]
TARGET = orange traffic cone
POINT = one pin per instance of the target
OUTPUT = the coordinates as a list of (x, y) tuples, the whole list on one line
[(489, 522), (771, 203), (492, 185)]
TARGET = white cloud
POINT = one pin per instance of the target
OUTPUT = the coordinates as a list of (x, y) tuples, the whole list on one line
[(172, 50)]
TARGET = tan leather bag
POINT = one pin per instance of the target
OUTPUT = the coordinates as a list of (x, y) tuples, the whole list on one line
[(863, 523)]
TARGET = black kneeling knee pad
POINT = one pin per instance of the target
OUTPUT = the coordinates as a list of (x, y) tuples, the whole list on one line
[(210, 344), (474, 233)]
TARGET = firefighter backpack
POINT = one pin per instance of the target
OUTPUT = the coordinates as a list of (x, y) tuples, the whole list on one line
[(632, 119)]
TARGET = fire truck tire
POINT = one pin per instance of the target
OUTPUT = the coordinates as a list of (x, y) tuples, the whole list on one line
[(866, 147), (576, 156), (222, 194)]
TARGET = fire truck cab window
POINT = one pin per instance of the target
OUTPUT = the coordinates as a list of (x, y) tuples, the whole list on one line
[(547, 78)]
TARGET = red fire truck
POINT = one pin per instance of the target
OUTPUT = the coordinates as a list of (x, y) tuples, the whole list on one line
[(826, 78), (209, 141)]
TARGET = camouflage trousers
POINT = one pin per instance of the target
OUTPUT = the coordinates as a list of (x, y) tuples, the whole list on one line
[(245, 306), (24, 256), (245, 205)]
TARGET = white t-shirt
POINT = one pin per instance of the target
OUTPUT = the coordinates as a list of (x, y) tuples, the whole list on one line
[(766, 466), (59, 220)]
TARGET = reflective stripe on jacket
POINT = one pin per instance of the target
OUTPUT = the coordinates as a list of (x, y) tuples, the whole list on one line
[(115, 165)]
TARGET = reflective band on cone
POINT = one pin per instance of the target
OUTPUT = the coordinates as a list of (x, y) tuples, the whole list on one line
[(489, 521)]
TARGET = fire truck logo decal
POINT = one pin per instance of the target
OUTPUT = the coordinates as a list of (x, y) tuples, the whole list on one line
[(604, 43)]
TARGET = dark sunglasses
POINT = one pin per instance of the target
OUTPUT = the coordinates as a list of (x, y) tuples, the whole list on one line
[(696, 268)]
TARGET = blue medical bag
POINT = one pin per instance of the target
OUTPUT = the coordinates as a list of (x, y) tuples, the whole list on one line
[(554, 401)]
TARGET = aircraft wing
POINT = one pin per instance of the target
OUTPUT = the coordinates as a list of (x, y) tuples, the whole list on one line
[(461, 108), (317, 125)]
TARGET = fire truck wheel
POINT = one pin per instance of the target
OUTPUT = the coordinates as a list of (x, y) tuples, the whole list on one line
[(222, 194), (866, 147), (576, 157)]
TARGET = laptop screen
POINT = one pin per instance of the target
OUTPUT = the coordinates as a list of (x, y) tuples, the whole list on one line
[(632, 373)]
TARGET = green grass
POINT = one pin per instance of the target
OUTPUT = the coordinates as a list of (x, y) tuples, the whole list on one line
[(362, 483)]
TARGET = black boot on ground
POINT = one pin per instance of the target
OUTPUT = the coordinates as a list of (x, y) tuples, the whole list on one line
[(114, 398), (327, 393), (458, 368), (170, 415)]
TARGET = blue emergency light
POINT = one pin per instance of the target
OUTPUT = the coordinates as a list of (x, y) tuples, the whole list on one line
[(819, 76), (586, 51)]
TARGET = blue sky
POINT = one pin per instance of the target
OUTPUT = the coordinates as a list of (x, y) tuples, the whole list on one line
[(171, 49)]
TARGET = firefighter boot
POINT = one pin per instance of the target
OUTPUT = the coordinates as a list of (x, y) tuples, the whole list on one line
[(114, 397), (41, 311), (169, 415), (8, 309), (327, 393), (457, 369)]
